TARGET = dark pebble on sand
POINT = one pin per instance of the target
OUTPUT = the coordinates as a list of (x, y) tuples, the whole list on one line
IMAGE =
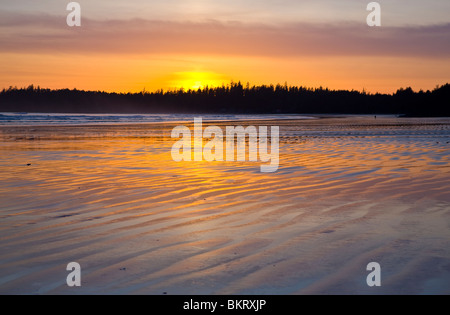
[(28, 164)]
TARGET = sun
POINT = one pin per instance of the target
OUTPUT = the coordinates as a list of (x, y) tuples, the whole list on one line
[(198, 85), (198, 80)]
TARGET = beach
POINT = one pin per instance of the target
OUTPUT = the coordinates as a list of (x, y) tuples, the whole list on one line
[(348, 191)]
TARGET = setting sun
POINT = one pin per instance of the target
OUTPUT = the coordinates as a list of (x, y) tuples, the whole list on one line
[(197, 80)]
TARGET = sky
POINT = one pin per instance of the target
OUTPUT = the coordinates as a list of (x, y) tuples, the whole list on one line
[(131, 45)]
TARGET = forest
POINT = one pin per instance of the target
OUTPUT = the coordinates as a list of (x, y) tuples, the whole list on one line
[(234, 98)]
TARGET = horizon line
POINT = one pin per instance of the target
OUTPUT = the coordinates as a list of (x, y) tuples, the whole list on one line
[(232, 83)]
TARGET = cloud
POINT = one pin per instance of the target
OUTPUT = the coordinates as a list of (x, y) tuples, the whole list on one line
[(22, 33)]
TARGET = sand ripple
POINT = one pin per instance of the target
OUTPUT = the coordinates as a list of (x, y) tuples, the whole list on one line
[(348, 191)]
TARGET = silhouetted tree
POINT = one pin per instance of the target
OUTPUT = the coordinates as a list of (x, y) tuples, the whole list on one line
[(231, 98)]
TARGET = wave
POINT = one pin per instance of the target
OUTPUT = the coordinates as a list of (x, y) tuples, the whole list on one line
[(37, 119)]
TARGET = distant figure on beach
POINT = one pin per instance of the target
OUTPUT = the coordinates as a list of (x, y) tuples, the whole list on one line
[(375, 116)]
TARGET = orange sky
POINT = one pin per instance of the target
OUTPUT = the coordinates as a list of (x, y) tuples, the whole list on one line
[(134, 73), (128, 54)]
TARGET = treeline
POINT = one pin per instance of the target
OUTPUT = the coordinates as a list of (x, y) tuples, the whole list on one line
[(233, 98)]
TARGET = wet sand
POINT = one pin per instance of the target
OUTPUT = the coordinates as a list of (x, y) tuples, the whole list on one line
[(348, 191)]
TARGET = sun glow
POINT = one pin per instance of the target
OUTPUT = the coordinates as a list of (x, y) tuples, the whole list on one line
[(198, 80)]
